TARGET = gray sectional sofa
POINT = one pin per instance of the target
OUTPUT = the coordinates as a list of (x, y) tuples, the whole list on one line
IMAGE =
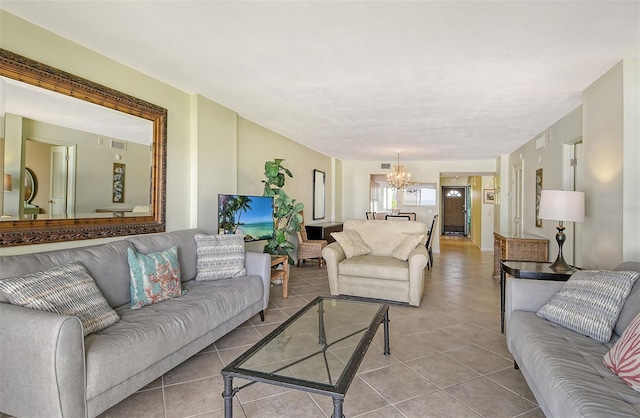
[(564, 369), (47, 368)]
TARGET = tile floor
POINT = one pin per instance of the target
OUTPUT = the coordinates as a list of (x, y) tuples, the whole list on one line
[(448, 358)]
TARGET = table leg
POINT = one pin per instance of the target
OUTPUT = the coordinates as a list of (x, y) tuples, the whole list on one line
[(322, 336), (228, 397), (337, 408), (285, 280), (385, 321), (503, 278)]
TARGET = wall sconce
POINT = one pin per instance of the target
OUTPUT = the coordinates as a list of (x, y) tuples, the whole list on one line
[(7, 183)]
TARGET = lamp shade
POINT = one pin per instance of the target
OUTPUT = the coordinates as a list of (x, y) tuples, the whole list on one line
[(7, 183), (561, 205)]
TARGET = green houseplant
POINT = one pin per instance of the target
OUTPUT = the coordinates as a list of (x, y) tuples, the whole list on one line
[(287, 216)]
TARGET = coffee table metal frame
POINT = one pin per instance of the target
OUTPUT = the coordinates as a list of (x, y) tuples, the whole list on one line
[(337, 391)]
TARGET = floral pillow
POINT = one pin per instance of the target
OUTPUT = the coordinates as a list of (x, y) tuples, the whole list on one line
[(154, 277), (624, 357)]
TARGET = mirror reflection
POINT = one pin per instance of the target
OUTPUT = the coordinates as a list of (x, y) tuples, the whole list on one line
[(89, 160)]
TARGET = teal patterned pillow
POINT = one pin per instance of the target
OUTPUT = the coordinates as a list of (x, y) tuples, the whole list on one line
[(154, 277), (220, 257), (590, 302), (65, 290)]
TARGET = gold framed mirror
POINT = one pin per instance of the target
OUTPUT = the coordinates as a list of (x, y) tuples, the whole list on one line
[(88, 183)]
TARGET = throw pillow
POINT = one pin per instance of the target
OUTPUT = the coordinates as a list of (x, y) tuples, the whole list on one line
[(66, 290), (220, 257), (351, 243), (408, 242), (154, 277), (624, 357), (589, 303)]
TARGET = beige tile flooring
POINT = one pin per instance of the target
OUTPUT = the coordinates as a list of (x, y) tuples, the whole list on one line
[(448, 358)]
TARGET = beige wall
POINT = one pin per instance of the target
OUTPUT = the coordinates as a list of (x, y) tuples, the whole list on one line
[(612, 180), (609, 126)]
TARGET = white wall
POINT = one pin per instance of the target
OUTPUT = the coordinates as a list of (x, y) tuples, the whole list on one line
[(356, 175)]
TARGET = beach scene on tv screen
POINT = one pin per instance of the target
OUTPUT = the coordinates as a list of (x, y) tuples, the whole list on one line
[(250, 216)]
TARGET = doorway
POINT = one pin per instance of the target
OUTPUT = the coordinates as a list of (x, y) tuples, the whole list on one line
[(454, 210)]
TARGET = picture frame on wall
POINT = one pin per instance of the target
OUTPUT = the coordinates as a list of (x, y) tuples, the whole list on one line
[(118, 183), (538, 194), (489, 196)]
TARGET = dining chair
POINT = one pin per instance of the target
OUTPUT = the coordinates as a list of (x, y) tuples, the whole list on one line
[(397, 218), (429, 243), (370, 215), (412, 215)]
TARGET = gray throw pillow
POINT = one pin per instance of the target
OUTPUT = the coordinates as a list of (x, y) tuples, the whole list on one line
[(590, 302), (220, 257), (351, 243), (66, 290)]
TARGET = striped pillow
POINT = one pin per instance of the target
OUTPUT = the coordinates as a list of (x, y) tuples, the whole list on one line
[(65, 290), (590, 302), (624, 357), (220, 257), (154, 276)]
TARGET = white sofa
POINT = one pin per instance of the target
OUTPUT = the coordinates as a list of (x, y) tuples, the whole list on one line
[(379, 275)]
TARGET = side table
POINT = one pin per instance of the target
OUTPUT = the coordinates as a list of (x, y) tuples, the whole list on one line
[(281, 274), (527, 270)]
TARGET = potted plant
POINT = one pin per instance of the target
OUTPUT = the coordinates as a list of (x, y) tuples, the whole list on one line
[(286, 216)]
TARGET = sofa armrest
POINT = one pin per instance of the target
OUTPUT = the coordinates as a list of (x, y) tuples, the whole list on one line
[(417, 263), (260, 265), (42, 363), (528, 295), (333, 254)]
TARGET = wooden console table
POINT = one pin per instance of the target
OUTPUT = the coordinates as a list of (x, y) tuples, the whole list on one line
[(323, 230), (522, 248), (282, 274)]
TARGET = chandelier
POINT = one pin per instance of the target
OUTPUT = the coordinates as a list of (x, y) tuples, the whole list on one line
[(399, 179)]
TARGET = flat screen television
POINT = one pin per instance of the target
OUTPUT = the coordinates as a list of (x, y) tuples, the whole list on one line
[(251, 216)]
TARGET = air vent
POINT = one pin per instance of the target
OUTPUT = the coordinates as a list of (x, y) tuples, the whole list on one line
[(385, 166), (118, 145)]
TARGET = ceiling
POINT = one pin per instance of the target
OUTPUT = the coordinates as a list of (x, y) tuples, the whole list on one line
[(360, 80)]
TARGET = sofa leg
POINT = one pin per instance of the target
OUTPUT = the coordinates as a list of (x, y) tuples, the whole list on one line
[(262, 316), (515, 365)]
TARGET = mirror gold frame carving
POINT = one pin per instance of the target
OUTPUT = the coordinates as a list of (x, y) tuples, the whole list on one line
[(24, 232)]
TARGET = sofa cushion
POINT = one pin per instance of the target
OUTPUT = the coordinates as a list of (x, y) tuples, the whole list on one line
[(377, 267), (624, 357), (590, 302), (65, 290), (631, 307), (406, 244), (145, 336), (351, 243), (106, 263), (382, 236), (154, 277), (567, 369), (220, 257), (159, 242)]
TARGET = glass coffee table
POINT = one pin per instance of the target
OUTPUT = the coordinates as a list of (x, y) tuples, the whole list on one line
[(318, 350)]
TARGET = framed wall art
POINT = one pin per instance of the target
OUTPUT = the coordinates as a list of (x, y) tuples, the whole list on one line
[(118, 182), (489, 196), (538, 194)]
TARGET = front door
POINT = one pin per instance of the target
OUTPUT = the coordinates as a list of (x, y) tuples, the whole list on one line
[(454, 210)]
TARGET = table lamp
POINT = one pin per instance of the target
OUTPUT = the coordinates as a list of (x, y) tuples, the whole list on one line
[(561, 206)]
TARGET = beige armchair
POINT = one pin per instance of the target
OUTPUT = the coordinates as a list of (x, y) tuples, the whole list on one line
[(381, 273)]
